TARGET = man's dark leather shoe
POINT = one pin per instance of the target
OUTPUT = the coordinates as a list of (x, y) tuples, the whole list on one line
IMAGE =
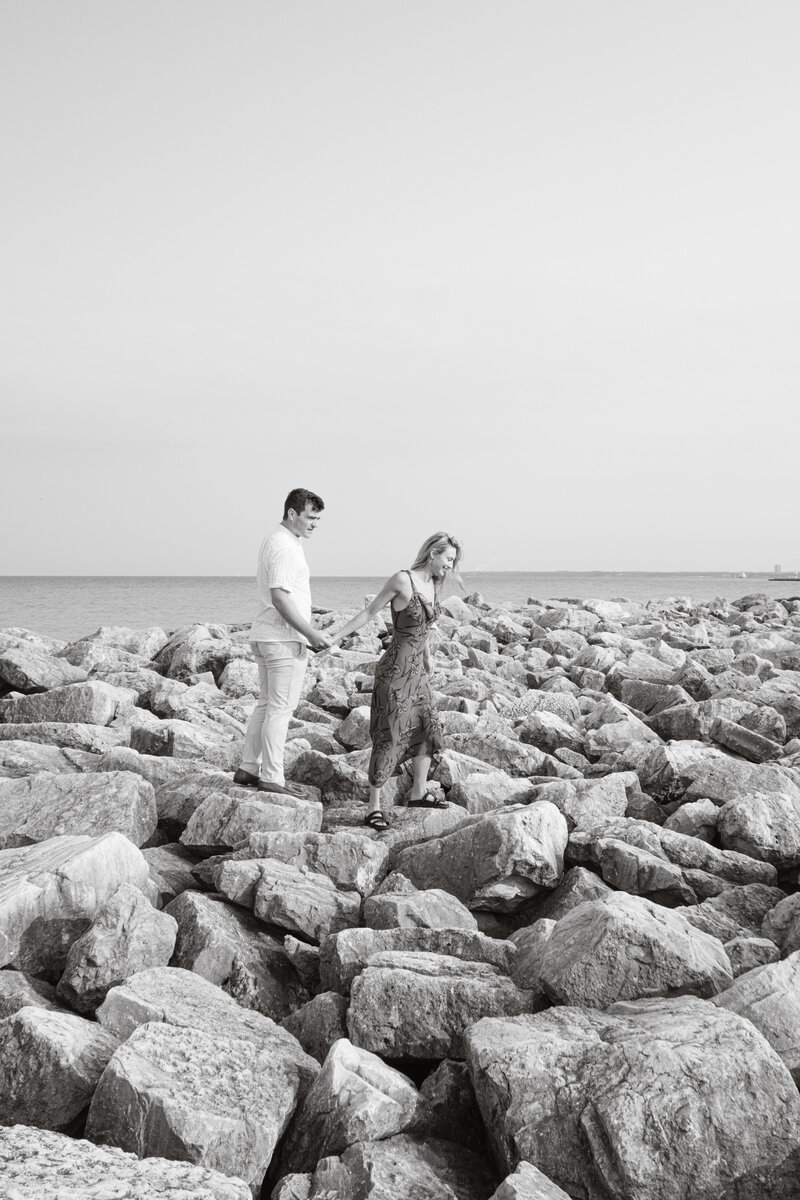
[(282, 789), (245, 778)]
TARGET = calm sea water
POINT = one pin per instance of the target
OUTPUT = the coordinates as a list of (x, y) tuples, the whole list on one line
[(70, 606)]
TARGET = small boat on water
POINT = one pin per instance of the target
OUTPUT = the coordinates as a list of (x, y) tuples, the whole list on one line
[(792, 577)]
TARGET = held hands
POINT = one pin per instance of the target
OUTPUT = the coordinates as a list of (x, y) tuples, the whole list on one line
[(319, 641)]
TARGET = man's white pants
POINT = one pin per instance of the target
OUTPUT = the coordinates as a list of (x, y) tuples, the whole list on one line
[(281, 670)]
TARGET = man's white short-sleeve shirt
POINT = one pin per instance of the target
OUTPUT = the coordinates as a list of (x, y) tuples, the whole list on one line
[(281, 564)]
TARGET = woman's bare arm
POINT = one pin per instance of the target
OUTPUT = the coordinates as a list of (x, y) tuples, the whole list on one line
[(398, 585)]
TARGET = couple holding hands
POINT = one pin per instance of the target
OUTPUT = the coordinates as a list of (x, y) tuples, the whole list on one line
[(403, 722)]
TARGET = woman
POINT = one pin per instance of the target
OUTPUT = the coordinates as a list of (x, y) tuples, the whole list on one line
[(403, 722)]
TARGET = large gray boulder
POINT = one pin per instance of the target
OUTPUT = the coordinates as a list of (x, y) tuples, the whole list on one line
[(128, 935), (319, 1023), (26, 669), (18, 990), (417, 1168), (303, 901), (209, 1099), (355, 1098), (43, 806), (173, 996), (623, 947), (494, 862), (51, 892), (69, 735), (180, 785), (589, 802), (233, 950), (177, 997), (408, 1004), (575, 886), (482, 791), (50, 1064), (171, 866), (19, 758), (221, 821), (531, 942), (145, 643), (654, 1100), (529, 1183), (415, 909), (736, 912), (769, 996), (696, 818), (201, 740), (782, 924), (764, 825), (36, 1163), (746, 953), (352, 860), (633, 868), (344, 955), (89, 703), (498, 749)]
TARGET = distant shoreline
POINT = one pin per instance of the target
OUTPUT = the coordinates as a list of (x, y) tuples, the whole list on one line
[(788, 578), (72, 606)]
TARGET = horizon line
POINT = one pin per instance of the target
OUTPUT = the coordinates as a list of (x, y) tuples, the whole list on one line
[(376, 575)]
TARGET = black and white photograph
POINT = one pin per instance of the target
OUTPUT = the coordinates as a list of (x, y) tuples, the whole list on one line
[(399, 600)]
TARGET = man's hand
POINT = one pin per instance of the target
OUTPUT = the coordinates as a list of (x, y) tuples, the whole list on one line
[(318, 641)]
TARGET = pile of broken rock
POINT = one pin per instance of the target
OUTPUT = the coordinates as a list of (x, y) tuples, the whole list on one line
[(580, 979)]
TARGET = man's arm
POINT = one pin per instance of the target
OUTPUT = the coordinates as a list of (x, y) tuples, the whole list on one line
[(287, 608)]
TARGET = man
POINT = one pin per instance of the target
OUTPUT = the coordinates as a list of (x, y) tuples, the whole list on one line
[(280, 637)]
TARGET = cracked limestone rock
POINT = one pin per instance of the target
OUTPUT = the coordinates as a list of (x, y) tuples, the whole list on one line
[(496, 861), (352, 860), (407, 1004), (769, 996), (209, 1099), (232, 949), (43, 806), (35, 1163), (51, 892), (26, 669), (428, 909), (221, 822), (344, 956), (528, 1183), (355, 1098), (50, 1064), (652, 1100), (19, 758), (400, 1166), (128, 935), (178, 997), (303, 901), (90, 703), (623, 947)]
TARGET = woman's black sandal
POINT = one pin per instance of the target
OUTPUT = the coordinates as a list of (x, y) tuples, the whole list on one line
[(376, 820), (429, 800)]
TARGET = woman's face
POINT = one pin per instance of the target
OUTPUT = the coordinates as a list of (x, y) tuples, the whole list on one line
[(443, 562)]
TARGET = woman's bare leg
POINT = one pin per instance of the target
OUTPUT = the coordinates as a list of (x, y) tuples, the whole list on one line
[(374, 799), (421, 765)]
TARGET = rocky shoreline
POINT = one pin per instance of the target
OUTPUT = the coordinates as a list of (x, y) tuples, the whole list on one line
[(580, 980)]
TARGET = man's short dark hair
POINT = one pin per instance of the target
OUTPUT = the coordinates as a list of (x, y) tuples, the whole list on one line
[(298, 498)]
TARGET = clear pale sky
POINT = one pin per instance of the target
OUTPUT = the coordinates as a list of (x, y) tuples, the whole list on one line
[(526, 271)]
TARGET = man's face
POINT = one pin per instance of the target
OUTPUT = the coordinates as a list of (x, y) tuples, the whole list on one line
[(303, 524)]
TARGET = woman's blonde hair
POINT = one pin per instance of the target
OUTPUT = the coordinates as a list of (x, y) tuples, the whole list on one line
[(435, 544)]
